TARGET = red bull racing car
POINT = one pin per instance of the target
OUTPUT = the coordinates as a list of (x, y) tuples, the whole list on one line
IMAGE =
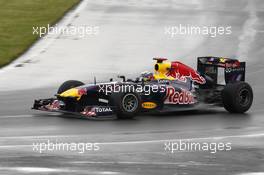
[(173, 86)]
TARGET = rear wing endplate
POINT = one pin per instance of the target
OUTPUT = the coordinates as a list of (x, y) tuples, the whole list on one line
[(234, 69)]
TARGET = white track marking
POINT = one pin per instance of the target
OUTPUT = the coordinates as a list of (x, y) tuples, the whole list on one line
[(35, 169), (189, 139), (108, 172), (53, 170), (16, 116), (142, 141), (190, 163), (252, 173), (24, 116)]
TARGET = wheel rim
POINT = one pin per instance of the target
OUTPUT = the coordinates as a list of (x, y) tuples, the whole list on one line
[(244, 97), (130, 102)]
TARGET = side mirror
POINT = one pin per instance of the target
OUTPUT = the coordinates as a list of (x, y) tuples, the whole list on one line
[(122, 77)]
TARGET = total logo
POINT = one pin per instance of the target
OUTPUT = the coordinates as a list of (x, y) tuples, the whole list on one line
[(176, 97), (102, 109)]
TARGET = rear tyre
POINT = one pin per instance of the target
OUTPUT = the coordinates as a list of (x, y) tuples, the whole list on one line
[(68, 85), (70, 104), (237, 97), (127, 105)]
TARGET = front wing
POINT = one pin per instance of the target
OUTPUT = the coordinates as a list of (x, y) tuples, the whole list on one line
[(55, 105)]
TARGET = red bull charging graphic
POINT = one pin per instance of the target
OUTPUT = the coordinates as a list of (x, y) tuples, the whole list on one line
[(181, 71), (176, 70)]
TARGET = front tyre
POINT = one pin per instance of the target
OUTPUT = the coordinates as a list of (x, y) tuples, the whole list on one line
[(237, 97), (127, 105)]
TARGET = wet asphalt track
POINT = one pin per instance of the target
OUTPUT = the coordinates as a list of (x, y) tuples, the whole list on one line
[(136, 146)]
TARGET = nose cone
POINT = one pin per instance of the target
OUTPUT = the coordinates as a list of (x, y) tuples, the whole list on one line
[(73, 92)]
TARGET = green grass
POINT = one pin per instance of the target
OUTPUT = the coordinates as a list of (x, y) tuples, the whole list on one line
[(17, 18)]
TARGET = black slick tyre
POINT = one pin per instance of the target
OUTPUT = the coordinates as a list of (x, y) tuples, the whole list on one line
[(237, 97), (127, 105)]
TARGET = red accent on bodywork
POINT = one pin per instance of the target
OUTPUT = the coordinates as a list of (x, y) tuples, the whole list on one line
[(180, 71), (82, 91)]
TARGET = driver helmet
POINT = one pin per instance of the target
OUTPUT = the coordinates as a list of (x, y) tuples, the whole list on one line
[(147, 76)]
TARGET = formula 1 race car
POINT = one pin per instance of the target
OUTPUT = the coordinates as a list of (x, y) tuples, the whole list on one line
[(173, 86)]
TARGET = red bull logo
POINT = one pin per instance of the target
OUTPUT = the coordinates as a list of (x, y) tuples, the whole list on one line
[(176, 97), (181, 71)]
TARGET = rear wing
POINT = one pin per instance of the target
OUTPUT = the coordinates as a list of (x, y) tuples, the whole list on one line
[(234, 70)]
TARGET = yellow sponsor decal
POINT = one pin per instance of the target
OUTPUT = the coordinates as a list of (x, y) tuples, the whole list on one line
[(149, 105)]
